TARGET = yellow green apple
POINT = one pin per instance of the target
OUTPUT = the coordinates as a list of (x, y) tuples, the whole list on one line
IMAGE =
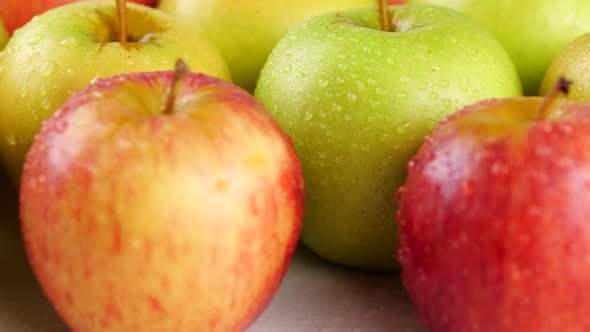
[(69, 47), (246, 31)]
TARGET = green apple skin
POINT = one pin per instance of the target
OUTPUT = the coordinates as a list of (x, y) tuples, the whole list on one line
[(3, 35), (67, 48), (572, 62), (532, 31), (246, 31), (357, 103)]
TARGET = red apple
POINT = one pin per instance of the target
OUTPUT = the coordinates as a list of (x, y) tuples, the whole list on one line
[(17, 13), (495, 219), (140, 215)]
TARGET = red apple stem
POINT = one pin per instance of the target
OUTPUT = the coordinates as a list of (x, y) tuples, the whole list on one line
[(561, 86), (122, 21), (180, 69), (384, 19)]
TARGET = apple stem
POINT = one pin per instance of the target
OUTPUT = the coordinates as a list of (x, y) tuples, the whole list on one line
[(562, 85), (384, 15), (180, 69), (122, 21)]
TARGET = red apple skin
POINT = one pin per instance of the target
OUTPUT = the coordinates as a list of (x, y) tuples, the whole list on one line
[(495, 220), (16, 13), (152, 222)]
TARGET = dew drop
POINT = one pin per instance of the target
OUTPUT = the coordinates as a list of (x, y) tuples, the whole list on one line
[(401, 95), (447, 103), (10, 138), (352, 97), (323, 83), (434, 95), (70, 42), (70, 72), (347, 117), (402, 128), (423, 85), (443, 83), (35, 39)]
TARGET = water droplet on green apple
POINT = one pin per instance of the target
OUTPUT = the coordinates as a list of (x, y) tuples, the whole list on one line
[(308, 115), (423, 85), (300, 74), (347, 117), (43, 90), (447, 103), (45, 104), (371, 81), (339, 79), (384, 137), (342, 66), (361, 85), (402, 127), (70, 72), (70, 42), (1, 69), (352, 97), (35, 39), (401, 95), (323, 83), (434, 95), (10, 138), (443, 83)]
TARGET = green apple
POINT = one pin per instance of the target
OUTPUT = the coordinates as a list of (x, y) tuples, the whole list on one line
[(358, 102), (246, 31), (67, 48), (532, 31), (3, 35), (573, 62)]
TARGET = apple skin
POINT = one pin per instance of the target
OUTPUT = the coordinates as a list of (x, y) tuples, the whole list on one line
[(17, 13), (69, 47), (494, 219), (3, 35), (157, 222), (573, 62), (532, 31), (246, 31), (357, 103)]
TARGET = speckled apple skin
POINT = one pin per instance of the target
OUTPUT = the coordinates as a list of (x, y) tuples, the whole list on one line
[(495, 220), (138, 221)]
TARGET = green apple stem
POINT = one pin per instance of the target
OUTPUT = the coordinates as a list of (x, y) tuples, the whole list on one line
[(561, 86), (122, 21), (383, 15), (180, 69)]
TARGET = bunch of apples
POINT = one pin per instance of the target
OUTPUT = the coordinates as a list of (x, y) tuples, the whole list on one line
[(161, 199)]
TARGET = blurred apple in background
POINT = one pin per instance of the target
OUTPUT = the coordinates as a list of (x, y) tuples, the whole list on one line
[(67, 48), (246, 31), (358, 101), (533, 31), (144, 215), (573, 61), (495, 219), (17, 13)]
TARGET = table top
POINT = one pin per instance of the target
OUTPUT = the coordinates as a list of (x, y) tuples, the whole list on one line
[(314, 296)]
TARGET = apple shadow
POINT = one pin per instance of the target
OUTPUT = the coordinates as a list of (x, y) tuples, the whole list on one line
[(23, 306)]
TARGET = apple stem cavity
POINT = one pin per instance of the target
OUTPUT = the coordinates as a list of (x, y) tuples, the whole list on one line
[(180, 69), (561, 86), (122, 21), (384, 20)]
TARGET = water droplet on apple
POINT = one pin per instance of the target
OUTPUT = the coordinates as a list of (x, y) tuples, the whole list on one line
[(443, 83), (402, 127), (308, 115), (35, 39), (464, 85), (352, 97), (401, 95), (45, 104), (70, 72), (1, 69), (70, 42), (384, 137), (43, 90), (434, 95), (380, 91), (339, 79), (347, 117), (10, 138), (371, 81), (342, 66), (423, 85), (323, 83), (447, 103)]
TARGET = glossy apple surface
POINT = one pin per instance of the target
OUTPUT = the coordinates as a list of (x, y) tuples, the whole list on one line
[(136, 220), (246, 31), (573, 61), (532, 31), (17, 13), (358, 101), (66, 49), (494, 219)]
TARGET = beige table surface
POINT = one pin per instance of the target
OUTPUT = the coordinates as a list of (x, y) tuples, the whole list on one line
[(314, 296)]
